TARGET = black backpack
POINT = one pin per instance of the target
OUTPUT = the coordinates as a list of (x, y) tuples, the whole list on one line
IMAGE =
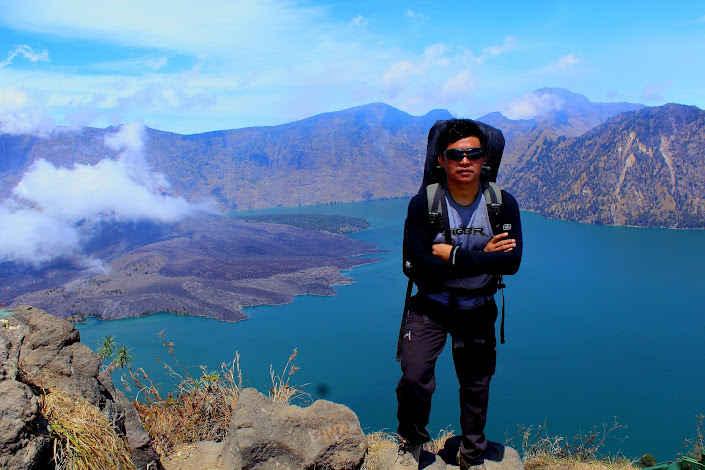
[(434, 186)]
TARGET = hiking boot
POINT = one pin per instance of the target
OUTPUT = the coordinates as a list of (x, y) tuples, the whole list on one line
[(464, 464), (408, 457)]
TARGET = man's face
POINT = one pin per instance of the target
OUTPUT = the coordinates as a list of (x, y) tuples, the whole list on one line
[(465, 171)]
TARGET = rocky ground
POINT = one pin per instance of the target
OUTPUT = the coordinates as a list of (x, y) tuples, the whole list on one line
[(41, 356)]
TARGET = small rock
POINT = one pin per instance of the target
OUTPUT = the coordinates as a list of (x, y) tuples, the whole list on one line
[(204, 455), (429, 461)]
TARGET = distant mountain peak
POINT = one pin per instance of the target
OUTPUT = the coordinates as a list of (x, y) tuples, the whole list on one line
[(558, 110), (568, 96)]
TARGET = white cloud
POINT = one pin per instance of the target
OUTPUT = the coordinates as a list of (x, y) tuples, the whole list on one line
[(122, 189), (442, 76), (26, 52), (23, 113), (567, 61), (29, 235), (532, 104), (221, 28), (156, 64), (457, 87), (359, 22), (53, 209), (249, 57), (509, 44), (562, 64), (132, 65), (97, 100), (400, 73), (416, 16)]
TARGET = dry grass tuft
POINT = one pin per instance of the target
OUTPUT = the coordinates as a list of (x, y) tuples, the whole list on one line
[(200, 411), (83, 437), (377, 443), (435, 445), (281, 389), (547, 462), (542, 450), (202, 407)]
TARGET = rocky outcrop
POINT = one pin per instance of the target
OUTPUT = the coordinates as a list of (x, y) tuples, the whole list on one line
[(266, 434), (40, 353)]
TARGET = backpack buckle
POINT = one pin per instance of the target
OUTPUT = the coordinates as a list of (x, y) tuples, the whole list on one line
[(436, 220)]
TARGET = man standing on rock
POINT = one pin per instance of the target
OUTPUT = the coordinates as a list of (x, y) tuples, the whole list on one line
[(459, 238)]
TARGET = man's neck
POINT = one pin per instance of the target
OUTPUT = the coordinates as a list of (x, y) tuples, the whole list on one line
[(464, 194)]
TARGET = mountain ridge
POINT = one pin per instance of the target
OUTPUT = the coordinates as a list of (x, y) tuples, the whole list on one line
[(368, 152), (641, 168)]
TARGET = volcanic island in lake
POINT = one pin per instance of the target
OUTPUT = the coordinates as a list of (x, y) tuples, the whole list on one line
[(208, 266)]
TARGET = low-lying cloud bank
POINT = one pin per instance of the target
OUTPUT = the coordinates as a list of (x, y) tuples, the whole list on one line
[(54, 210)]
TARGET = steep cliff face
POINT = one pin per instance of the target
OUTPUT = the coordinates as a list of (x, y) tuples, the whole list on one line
[(640, 168)]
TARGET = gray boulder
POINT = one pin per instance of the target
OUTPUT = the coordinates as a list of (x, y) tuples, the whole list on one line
[(273, 435), (497, 456), (143, 454), (52, 357), (22, 445)]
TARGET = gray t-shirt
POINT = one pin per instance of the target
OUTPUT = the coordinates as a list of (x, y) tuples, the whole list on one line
[(470, 229)]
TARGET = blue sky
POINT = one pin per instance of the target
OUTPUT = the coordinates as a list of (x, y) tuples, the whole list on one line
[(190, 67)]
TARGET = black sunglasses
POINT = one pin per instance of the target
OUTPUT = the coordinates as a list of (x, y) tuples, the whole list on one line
[(474, 153)]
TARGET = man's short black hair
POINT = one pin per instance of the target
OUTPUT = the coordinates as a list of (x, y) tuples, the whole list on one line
[(457, 129)]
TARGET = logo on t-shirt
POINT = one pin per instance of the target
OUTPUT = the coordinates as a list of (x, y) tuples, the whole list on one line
[(467, 231)]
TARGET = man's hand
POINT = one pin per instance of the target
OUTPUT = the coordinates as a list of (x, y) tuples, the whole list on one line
[(442, 251), (497, 244)]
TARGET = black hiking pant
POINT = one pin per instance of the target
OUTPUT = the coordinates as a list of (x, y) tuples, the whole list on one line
[(474, 356)]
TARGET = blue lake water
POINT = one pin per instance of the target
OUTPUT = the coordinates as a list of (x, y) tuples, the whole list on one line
[(602, 322)]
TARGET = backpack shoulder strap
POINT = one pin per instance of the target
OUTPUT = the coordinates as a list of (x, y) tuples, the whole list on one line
[(493, 198), (438, 209), (433, 196)]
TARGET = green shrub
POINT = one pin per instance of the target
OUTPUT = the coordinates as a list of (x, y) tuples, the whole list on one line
[(647, 460)]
